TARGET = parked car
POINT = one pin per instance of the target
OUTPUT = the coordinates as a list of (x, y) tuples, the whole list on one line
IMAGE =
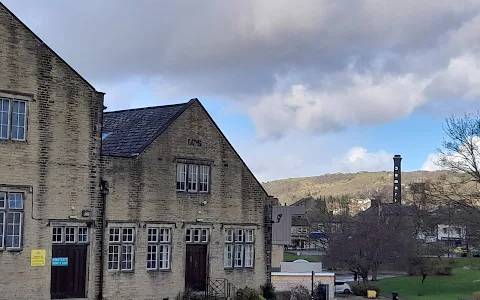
[(341, 287)]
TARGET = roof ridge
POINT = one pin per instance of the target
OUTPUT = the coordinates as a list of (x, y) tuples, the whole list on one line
[(145, 108)]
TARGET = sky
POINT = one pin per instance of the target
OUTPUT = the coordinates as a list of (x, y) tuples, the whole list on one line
[(300, 88)]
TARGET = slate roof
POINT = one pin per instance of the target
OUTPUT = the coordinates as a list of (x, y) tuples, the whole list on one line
[(131, 131)]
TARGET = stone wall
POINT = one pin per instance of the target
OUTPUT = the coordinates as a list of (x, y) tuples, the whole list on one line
[(143, 190), (56, 167), (287, 281)]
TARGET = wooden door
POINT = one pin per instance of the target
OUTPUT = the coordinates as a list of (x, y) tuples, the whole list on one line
[(196, 267), (69, 281)]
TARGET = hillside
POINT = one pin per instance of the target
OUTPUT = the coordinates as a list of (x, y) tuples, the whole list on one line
[(355, 185)]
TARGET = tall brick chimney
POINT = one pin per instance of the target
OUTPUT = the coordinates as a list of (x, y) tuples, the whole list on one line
[(397, 179)]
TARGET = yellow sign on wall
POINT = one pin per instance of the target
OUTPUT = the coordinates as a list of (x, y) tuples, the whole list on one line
[(38, 257)]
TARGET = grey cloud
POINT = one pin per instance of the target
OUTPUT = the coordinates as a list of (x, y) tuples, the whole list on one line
[(354, 58)]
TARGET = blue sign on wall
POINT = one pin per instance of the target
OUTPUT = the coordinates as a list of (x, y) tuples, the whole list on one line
[(59, 261)]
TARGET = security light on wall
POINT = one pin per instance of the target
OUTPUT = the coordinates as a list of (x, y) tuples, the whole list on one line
[(86, 213)]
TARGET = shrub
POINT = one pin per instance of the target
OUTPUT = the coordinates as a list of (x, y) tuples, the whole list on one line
[(476, 295), (247, 294), (189, 294), (284, 295), (447, 271), (361, 290), (300, 293), (268, 291)]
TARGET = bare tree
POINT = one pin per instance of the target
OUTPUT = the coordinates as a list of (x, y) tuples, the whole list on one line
[(460, 155), (370, 242), (460, 150)]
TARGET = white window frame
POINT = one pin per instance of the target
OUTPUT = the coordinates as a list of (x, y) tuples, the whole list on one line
[(162, 247), (113, 253), (78, 235), (2, 229), (24, 125), (236, 241), (11, 100), (2, 99), (192, 178), (198, 183), (191, 234), (204, 179), (68, 228), (120, 244), (5, 211), (76, 226), (55, 234), (181, 177)]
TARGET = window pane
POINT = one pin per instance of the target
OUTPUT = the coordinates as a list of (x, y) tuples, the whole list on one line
[(204, 177), (114, 235), (196, 235), (192, 177), (228, 256), (2, 200), (4, 118), (82, 234), (3, 131), (229, 235), (164, 261), (165, 235), (2, 228), (204, 237), (13, 229), (127, 257), (127, 235), (57, 235), (18, 120), (238, 255), (70, 235), (249, 235), (152, 235), (181, 177), (152, 257), (15, 200), (248, 255), (188, 235), (21, 107), (113, 257), (238, 235)]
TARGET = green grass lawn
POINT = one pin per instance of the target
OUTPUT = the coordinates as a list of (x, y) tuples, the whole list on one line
[(460, 285), (464, 261), (292, 257)]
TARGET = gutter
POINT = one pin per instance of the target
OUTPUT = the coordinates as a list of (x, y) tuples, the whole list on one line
[(104, 191)]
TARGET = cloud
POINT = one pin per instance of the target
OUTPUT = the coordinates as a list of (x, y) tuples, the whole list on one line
[(431, 163), (463, 159), (317, 66), (359, 159)]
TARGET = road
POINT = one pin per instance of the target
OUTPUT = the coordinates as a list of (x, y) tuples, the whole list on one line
[(346, 277)]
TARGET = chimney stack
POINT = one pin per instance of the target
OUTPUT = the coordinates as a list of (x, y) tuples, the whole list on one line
[(397, 179)]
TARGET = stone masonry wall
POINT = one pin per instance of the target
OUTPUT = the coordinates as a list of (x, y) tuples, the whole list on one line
[(143, 189), (286, 282), (57, 167)]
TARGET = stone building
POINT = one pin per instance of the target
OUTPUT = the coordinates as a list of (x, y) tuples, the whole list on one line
[(50, 138), (134, 204), (183, 210)]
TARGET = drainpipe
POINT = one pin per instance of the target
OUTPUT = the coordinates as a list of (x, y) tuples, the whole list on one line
[(104, 191)]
